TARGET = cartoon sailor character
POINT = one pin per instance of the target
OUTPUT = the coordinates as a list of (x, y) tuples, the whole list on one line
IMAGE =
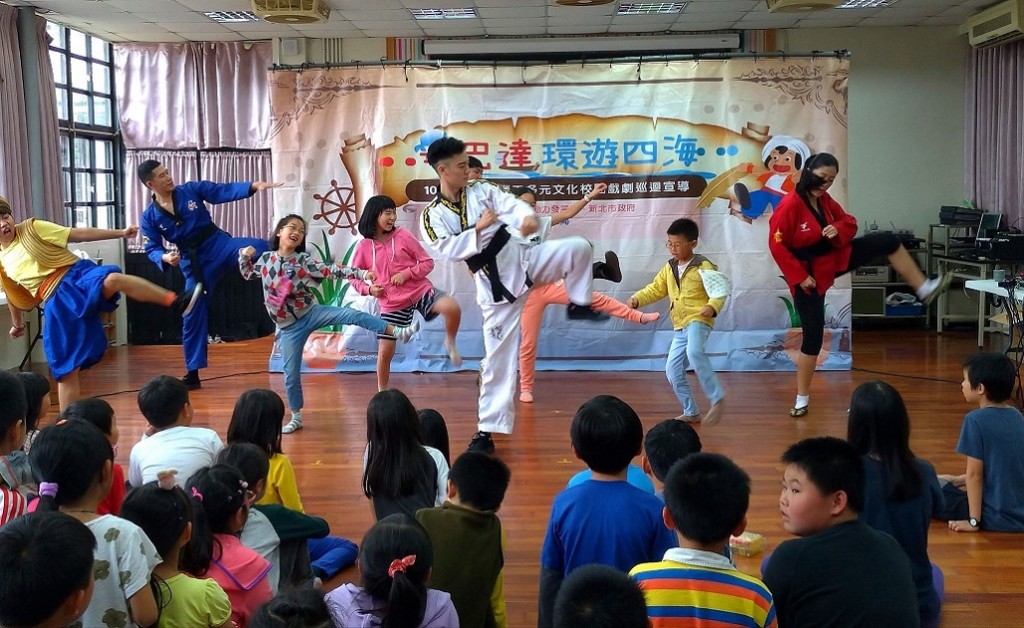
[(783, 157)]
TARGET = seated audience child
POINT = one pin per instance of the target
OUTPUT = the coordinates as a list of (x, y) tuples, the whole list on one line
[(665, 444), (14, 470), (901, 493), (842, 572), (706, 500), (597, 596), (257, 420), (170, 441), (605, 519), (46, 559), (466, 525), (164, 513), (220, 503), (400, 474), (99, 413), (37, 394), (73, 462), (301, 607), (394, 561), (991, 438), (434, 432)]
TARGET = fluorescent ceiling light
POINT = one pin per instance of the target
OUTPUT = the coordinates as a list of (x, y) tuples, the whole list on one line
[(443, 14), (540, 46), (866, 4), (231, 17), (650, 8)]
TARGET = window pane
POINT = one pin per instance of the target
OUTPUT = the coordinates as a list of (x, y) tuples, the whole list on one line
[(99, 49), (55, 31), (104, 187), (83, 187), (65, 151), (57, 63), (80, 105), (100, 78), (67, 186), (82, 217), (83, 154), (104, 154), (80, 74), (78, 44), (101, 109), (62, 104)]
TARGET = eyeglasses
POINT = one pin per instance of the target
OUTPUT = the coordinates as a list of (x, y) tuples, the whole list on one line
[(675, 246)]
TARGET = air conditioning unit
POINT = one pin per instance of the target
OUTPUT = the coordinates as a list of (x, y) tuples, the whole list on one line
[(996, 25), (800, 6), (292, 11)]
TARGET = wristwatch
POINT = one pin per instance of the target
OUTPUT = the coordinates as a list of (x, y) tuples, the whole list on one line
[(974, 522)]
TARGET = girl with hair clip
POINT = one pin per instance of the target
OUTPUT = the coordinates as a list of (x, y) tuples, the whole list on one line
[(902, 492), (164, 513), (400, 474), (394, 563), (37, 394), (400, 265), (289, 277), (101, 414), (73, 462), (221, 501), (812, 241), (256, 416)]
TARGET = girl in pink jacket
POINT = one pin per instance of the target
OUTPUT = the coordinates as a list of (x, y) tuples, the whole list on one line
[(401, 265)]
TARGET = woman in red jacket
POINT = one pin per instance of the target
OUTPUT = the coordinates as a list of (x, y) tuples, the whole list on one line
[(812, 241)]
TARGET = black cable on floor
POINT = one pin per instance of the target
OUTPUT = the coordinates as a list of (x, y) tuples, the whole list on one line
[(205, 379), (919, 377)]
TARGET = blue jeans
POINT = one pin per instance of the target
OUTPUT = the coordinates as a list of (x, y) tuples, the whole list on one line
[(294, 336), (687, 350)]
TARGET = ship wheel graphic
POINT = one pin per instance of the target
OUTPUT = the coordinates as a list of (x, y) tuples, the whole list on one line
[(337, 208)]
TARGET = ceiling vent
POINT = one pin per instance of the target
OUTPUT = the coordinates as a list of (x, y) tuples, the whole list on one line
[(292, 11), (996, 25), (800, 6)]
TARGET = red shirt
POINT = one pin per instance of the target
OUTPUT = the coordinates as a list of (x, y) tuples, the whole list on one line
[(794, 226), (111, 504)]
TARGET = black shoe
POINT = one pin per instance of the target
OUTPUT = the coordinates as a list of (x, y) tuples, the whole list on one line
[(742, 195), (481, 442), (584, 313), (191, 380), (608, 269), (187, 300)]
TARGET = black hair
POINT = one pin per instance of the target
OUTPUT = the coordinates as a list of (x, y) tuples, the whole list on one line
[(599, 596), (810, 181), (14, 407), (5, 207), (474, 162), (250, 459), (684, 227), (519, 190), (995, 372), (669, 442), (606, 434), (480, 479), (217, 494), (798, 161), (442, 149), (275, 240), (832, 465), (396, 459), (397, 537), (434, 432), (72, 455), (878, 426), (707, 496), (300, 607), (257, 419), (91, 410), (374, 207), (44, 558), (37, 388), (145, 170), (162, 399)]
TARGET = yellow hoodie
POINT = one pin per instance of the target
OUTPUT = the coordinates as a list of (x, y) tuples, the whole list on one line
[(686, 296)]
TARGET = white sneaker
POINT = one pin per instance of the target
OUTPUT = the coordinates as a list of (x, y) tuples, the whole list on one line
[(933, 287), (453, 352), (404, 334)]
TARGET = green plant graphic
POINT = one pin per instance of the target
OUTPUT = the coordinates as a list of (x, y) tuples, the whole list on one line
[(332, 290), (794, 316)]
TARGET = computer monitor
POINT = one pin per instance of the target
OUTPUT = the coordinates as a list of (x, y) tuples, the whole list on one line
[(989, 225)]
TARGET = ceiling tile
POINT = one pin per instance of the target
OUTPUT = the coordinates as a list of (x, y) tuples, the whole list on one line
[(503, 22), (184, 15), (216, 5), (577, 30), (505, 12), (184, 28), (511, 31), (380, 16), (715, 6)]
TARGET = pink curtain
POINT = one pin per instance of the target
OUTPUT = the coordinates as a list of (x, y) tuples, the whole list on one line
[(14, 171), (53, 185), (235, 95), (181, 164), (994, 130)]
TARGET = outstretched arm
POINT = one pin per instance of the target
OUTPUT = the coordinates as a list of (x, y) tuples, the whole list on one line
[(89, 234), (577, 207)]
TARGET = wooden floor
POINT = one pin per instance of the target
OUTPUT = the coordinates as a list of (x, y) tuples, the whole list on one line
[(984, 574)]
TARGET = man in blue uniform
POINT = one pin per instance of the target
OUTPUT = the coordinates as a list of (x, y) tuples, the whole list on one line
[(178, 214)]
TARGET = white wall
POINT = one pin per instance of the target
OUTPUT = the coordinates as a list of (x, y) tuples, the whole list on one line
[(906, 119)]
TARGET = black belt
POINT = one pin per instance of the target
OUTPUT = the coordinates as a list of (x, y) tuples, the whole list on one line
[(191, 250), (485, 261)]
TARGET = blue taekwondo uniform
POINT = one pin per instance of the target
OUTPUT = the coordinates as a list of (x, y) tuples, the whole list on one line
[(207, 252)]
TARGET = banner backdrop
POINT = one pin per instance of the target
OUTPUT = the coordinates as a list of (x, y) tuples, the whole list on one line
[(671, 139)]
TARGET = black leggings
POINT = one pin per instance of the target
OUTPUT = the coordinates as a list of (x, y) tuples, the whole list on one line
[(811, 307)]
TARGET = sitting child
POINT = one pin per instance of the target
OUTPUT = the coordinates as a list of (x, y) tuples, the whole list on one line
[(706, 500), (46, 559), (37, 394), (466, 525), (604, 520), (170, 441), (991, 438), (99, 413), (300, 607), (841, 572), (597, 596), (14, 466), (667, 443)]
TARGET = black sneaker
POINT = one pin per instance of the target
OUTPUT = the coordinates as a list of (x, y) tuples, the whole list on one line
[(191, 380), (584, 313), (609, 269), (481, 442), (187, 300)]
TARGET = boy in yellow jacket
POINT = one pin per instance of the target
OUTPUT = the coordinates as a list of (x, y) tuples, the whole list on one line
[(693, 315)]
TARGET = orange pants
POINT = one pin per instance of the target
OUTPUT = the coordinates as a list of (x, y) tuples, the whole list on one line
[(539, 298)]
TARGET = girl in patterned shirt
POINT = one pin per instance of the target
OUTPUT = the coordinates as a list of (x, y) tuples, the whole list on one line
[(289, 275)]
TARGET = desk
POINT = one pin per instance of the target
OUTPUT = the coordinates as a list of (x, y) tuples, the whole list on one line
[(1012, 306), (969, 270)]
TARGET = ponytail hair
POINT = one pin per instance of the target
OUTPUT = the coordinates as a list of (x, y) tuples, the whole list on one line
[(67, 459), (395, 560), (810, 181), (217, 494)]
